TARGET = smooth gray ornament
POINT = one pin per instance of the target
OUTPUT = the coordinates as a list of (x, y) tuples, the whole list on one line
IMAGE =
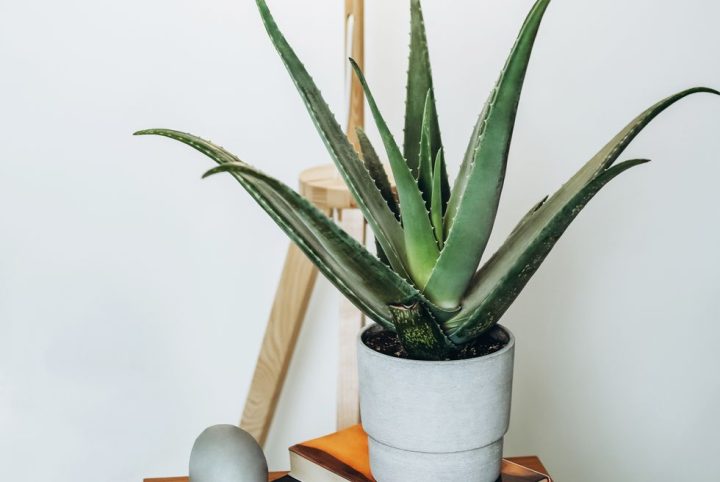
[(226, 453)]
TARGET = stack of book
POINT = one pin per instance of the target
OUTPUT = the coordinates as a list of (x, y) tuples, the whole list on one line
[(343, 457)]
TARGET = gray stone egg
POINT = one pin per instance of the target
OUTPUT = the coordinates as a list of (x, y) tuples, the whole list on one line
[(226, 453)]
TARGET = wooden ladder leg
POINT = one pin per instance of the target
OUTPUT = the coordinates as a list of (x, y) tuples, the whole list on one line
[(286, 318), (355, 48), (351, 322)]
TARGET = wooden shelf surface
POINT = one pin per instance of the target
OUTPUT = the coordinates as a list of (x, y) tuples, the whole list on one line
[(530, 462)]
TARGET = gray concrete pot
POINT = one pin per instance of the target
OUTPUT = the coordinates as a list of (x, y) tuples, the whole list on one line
[(436, 421)]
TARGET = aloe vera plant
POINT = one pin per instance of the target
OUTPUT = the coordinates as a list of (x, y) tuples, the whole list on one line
[(424, 283)]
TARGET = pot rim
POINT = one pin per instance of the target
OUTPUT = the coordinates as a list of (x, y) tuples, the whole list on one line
[(408, 361)]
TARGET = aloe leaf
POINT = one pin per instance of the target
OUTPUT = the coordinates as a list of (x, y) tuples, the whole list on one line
[(362, 278), (503, 268), (420, 334), (377, 172), (509, 258), (419, 86), (504, 276), (425, 169), (462, 178), (422, 250), (610, 152), (436, 200), (613, 149), (474, 201), (386, 228), (530, 214)]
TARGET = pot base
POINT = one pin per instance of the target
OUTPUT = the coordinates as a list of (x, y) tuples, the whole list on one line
[(389, 464)]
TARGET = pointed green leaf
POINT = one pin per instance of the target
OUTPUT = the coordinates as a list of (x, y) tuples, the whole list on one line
[(474, 202), (491, 301), (387, 230), (508, 268), (613, 149), (436, 201), (422, 250), (363, 279), (610, 153), (425, 170), (419, 87), (530, 214), (463, 176), (377, 172)]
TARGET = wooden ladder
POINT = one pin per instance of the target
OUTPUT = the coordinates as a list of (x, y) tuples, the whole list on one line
[(324, 187)]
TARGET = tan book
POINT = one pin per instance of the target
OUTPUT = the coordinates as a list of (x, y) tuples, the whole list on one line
[(343, 456)]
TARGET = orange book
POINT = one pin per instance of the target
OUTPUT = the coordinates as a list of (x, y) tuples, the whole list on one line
[(343, 456)]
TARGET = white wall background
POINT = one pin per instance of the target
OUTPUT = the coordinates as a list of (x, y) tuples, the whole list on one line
[(133, 296)]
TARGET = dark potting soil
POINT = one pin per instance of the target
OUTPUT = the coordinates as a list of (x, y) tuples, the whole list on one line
[(388, 343)]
